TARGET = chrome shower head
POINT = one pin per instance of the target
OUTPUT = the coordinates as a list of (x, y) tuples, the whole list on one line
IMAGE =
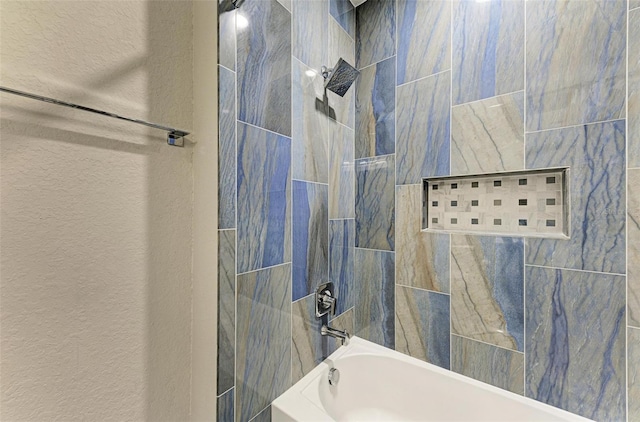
[(340, 78)]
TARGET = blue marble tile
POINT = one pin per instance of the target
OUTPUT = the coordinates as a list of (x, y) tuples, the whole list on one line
[(341, 172), (633, 250), (634, 89), (488, 136), (424, 38), (422, 258), (575, 62), (227, 39), (422, 325), (375, 203), (423, 127), (224, 406), (310, 243), (226, 309), (308, 346), (226, 149), (264, 204), (264, 66), (309, 38), (345, 14), (575, 341), (263, 360), (345, 321), (375, 32), (341, 250), (496, 366), (487, 289), (633, 4), (596, 155), (488, 49), (375, 110), (633, 354), (264, 416), (375, 296), (309, 130)]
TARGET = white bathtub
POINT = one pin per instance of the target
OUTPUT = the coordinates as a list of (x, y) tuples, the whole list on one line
[(379, 384)]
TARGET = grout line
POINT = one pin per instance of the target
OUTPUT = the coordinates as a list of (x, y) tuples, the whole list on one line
[(290, 199), (631, 327), (235, 252), (524, 240), (340, 25), (451, 12), (488, 98), (375, 250), (574, 126), (226, 230), (260, 412), (225, 67), (309, 181), (374, 157), (265, 268), (395, 176), (422, 289), (229, 389), (574, 269), (488, 344), (376, 63), (423, 78), (626, 215)]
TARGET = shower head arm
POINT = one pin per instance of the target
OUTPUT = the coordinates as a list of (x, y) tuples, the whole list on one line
[(326, 71)]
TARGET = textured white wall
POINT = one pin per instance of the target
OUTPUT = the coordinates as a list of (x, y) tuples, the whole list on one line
[(95, 225)]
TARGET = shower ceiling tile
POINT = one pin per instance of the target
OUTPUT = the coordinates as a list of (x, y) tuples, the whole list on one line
[(634, 88), (264, 67), (375, 203), (423, 127), (487, 283), (264, 199), (341, 172), (633, 258), (575, 341), (424, 38), (226, 308), (309, 38), (310, 243), (226, 149), (375, 32), (263, 365), (575, 62), (488, 49), (309, 131), (341, 251), (496, 366), (422, 325), (423, 258), (375, 296), (488, 135), (596, 156), (375, 110)]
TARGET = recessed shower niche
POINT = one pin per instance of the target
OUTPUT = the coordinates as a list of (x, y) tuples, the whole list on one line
[(533, 203)]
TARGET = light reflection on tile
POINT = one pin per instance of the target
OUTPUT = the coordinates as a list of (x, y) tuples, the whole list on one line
[(227, 39), (226, 309), (374, 310), (424, 38), (633, 251), (423, 128), (575, 341), (264, 201), (488, 136), (310, 243), (375, 31), (496, 366), (375, 203), (422, 258), (422, 325), (309, 130), (309, 36), (596, 155), (575, 62), (224, 405), (488, 53), (341, 251), (264, 68), (634, 88), (487, 283), (263, 365), (375, 110), (341, 172), (226, 149), (634, 373)]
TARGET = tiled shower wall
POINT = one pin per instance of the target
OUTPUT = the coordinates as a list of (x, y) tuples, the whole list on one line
[(464, 87), (286, 195)]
